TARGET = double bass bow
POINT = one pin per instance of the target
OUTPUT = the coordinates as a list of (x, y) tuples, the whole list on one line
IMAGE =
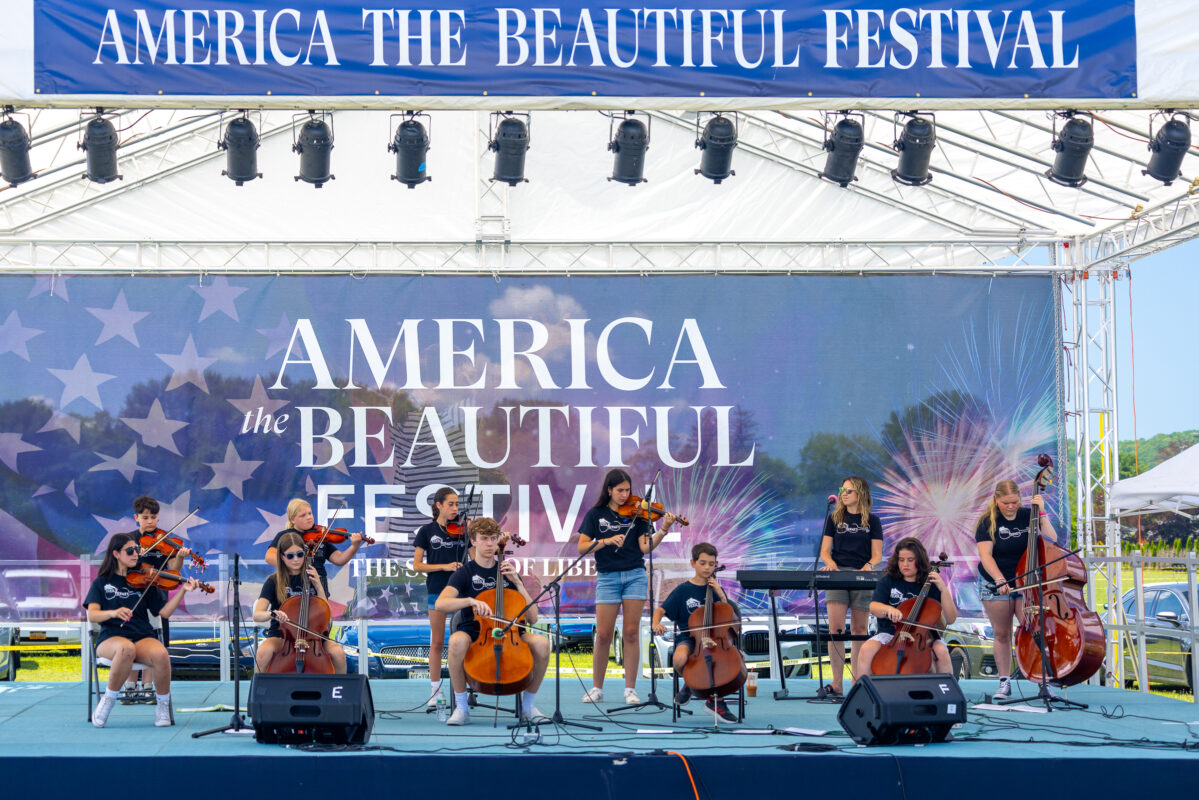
[(1059, 638), (715, 667), (910, 651)]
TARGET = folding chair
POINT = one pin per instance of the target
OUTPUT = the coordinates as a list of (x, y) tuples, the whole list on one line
[(95, 687)]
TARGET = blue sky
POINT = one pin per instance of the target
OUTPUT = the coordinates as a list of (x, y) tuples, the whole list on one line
[(1165, 335)]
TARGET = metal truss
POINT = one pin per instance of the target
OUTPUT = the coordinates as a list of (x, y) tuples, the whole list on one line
[(1150, 231)]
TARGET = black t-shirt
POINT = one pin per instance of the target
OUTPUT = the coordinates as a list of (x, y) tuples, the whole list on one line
[(851, 539), (295, 588), (893, 591), (318, 559), (440, 548), (604, 523), (471, 580), (685, 598), (1011, 541), (112, 592)]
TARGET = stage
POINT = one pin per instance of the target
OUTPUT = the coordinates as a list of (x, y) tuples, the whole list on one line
[(1125, 742)]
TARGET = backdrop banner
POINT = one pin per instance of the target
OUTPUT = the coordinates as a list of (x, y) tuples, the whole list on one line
[(753, 397), (1021, 49)]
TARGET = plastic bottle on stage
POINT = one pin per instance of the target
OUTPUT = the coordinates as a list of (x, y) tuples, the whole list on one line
[(441, 713), (751, 683)]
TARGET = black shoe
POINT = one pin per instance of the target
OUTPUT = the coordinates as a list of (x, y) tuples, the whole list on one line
[(828, 693), (721, 709), (683, 696)]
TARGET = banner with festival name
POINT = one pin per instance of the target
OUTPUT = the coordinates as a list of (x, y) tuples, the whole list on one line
[(750, 397), (796, 49)]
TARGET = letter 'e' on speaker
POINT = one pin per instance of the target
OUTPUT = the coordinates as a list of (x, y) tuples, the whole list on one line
[(902, 709), (296, 709)]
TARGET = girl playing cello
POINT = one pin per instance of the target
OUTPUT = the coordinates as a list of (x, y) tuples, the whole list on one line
[(288, 582), (903, 577), (123, 613)]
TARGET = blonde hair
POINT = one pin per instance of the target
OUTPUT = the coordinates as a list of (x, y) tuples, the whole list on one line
[(863, 492), (282, 576), (991, 512), (294, 507), (482, 526)]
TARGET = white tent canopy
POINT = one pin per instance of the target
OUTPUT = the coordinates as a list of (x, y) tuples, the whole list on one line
[(1172, 485)]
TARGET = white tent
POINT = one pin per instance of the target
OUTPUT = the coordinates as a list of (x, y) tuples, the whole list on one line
[(1172, 485)]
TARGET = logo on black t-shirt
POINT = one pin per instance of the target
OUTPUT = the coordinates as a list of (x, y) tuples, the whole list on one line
[(113, 592), (897, 596), (693, 604), (851, 527), (1004, 532), (439, 542), (614, 528), (481, 584)]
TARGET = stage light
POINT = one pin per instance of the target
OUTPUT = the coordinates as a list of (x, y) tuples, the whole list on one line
[(717, 142), (100, 142), (844, 145), (629, 143), (315, 145), (411, 146), (915, 146), (510, 141), (14, 150), (1073, 147), (241, 145), (1168, 146)]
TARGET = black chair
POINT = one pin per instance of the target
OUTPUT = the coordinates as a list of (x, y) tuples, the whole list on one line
[(471, 694), (95, 687)]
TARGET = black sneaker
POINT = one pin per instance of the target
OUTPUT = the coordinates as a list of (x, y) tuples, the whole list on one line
[(683, 696), (721, 709)]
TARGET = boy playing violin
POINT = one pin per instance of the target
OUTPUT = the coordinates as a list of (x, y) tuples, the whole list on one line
[(903, 577), (685, 598), (126, 635), (299, 517), (474, 577)]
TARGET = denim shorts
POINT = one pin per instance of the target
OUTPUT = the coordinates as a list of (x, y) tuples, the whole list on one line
[(431, 600), (613, 587), (989, 595)]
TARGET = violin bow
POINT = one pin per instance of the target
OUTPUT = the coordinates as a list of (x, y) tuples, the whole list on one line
[(332, 518), (157, 571), (168, 533)]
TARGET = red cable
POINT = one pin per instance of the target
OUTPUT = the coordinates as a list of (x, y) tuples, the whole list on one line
[(689, 775)]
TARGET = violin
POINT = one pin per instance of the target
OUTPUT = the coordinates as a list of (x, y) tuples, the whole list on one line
[(331, 535), (144, 577), (636, 507), (910, 651), (308, 615), (1054, 580), (159, 541), (716, 667), (499, 661)]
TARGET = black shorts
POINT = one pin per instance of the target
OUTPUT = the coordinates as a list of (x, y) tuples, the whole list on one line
[(685, 639)]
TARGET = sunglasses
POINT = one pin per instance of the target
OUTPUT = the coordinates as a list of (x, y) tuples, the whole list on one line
[(129, 551), (291, 556), (847, 491)]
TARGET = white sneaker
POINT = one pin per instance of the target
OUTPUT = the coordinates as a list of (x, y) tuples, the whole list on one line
[(533, 717), (630, 696), (100, 715), (162, 715), (437, 695), (460, 717), (594, 695), (1005, 689)]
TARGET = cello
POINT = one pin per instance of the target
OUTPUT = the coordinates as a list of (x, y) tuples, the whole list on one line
[(716, 667), (499, 662), (1055, 612), (305, 631), (910, 651)]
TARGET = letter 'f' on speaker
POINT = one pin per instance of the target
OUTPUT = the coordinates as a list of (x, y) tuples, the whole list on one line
[(902, 709), (295, 709)]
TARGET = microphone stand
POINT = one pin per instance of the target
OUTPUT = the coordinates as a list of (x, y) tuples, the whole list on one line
[(237, 724)]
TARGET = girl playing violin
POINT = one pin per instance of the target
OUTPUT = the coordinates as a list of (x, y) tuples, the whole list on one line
[(678, 605), (438, 554), (621, 583), (299, 517), (476, 576), (903, 577), (289, 582), (1001, 536), (126, 635), (852, 540)]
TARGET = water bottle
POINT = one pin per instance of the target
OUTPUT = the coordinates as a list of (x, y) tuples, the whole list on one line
[(441, 714)]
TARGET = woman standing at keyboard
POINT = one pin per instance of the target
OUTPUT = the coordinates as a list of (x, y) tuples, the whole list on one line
[(852, 540)]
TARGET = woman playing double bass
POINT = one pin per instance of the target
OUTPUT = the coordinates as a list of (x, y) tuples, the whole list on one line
[(1001, 536), (903, 577), (288, 582), (476, 576)]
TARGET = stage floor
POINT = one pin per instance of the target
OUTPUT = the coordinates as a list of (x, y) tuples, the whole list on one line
[(1124, 741)]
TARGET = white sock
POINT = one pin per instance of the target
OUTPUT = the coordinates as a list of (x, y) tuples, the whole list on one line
[(163, 698), (112, 694), (527, 700), (436, 686), (461, 702)]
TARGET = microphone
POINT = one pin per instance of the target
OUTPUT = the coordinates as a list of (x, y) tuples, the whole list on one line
[(722, 568), (832, 499)]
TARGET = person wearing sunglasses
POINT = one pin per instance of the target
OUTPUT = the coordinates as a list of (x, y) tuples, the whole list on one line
[(300, 520), (288, 581), (852, 540), (126, 635)]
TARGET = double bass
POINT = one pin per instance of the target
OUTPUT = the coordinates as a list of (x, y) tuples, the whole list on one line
[(499, 661), (910, 651), (1052, 580), (716, 667), (305, 632)]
